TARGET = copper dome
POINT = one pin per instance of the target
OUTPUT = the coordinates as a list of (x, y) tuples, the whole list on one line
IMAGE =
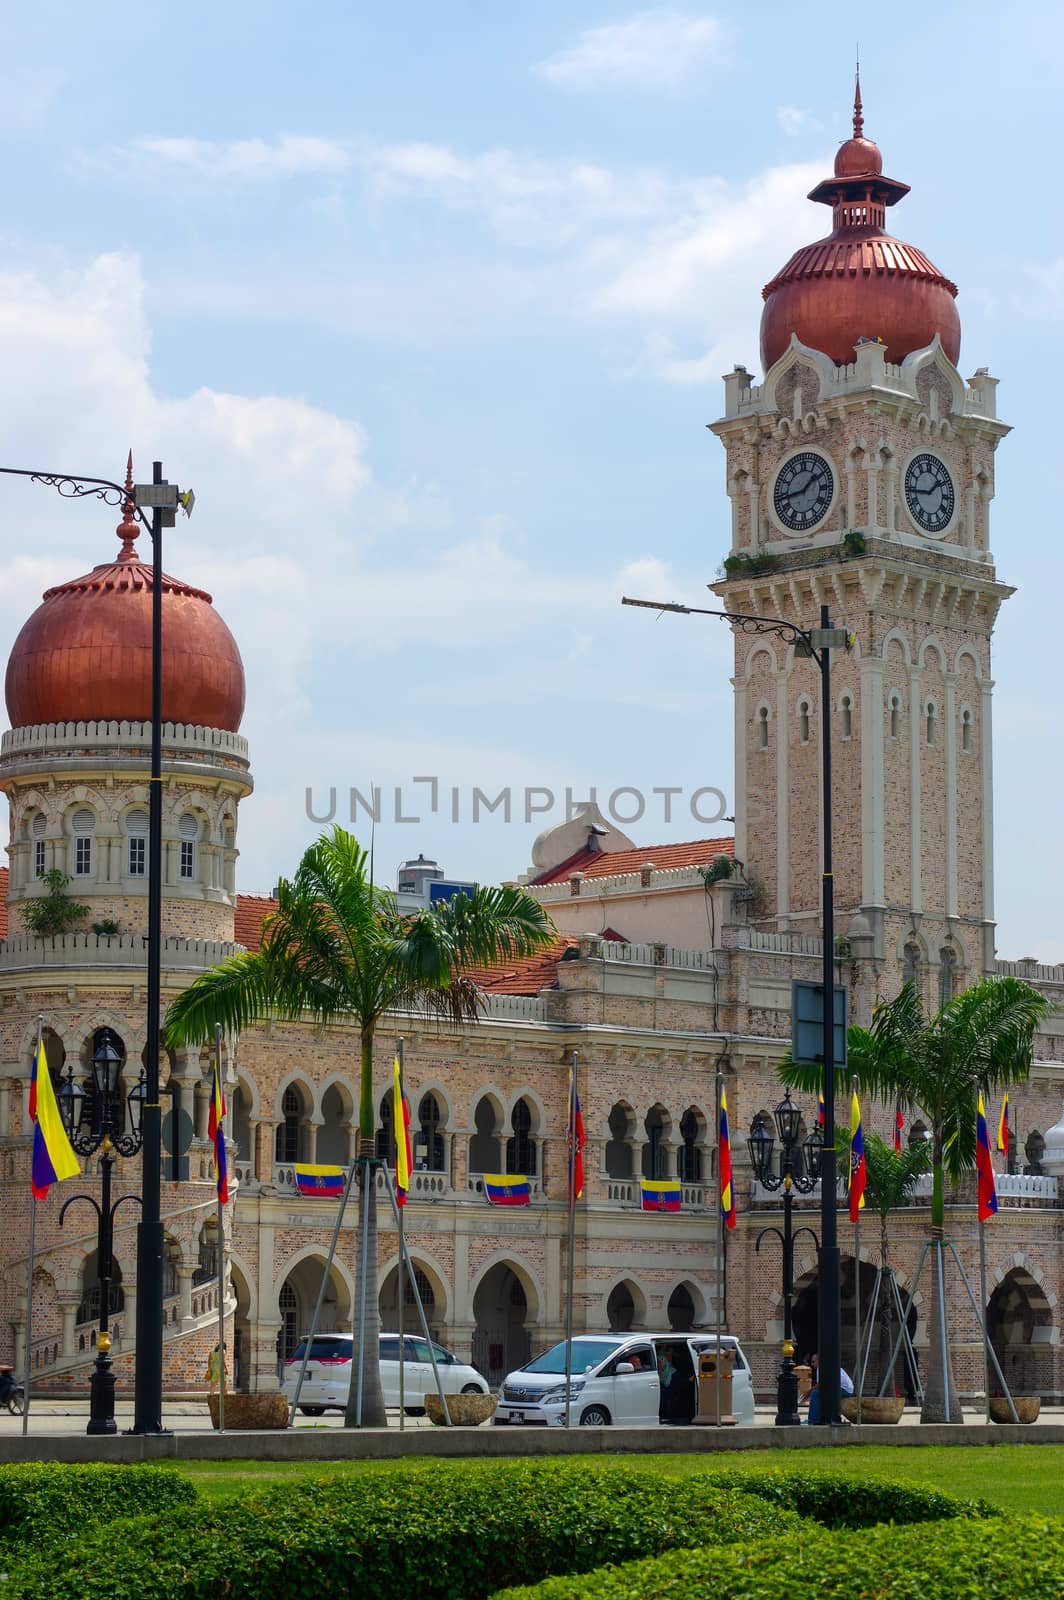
[(859, 281), (85, 653)]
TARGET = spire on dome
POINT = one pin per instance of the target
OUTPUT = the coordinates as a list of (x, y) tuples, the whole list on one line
[(858, 108), (128, 529)]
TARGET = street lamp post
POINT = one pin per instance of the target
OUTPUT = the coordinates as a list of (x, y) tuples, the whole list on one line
[(101, 1116), (796, 1167), (162, 499), (816, 644)]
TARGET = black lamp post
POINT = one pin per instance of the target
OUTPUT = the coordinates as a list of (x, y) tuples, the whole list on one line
[(101, 1116), (797, 1166), (815, 644)]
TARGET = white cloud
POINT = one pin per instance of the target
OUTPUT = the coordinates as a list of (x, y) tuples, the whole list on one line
[(656, 49), (255, 160), (794, 121)]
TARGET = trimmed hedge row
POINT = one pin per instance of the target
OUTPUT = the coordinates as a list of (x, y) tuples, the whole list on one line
[(457, 1533), (44, 1501), (973, 1560), (840, 1501)]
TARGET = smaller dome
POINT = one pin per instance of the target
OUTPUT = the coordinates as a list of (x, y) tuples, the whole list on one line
[(858, 158)]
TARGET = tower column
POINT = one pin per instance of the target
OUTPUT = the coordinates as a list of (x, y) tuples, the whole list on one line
[(951, 793), (873, 891), (741, 736), (783, 859), (915, 700), (986, 686)]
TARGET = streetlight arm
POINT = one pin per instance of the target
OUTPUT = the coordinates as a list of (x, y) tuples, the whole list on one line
[(74, 486), (764, 1232), (74, 1198), (122, 1200)]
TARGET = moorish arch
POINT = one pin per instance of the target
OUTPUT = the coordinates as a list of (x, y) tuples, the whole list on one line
[(506, 1306), (432, 1286), (626, 1303)]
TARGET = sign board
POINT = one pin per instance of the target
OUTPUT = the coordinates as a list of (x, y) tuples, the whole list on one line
[(807, 1023), (447, 888)]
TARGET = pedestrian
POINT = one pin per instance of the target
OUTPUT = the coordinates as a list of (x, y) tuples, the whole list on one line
[(845, 1385), (217, 1371)]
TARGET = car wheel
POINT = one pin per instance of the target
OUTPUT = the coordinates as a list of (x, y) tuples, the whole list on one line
[(313, 1411), (472, 1388), (595, 1417), (414, 1411)]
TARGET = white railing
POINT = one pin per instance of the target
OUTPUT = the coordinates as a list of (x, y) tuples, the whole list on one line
[(124, 950), (656, 955), (423, 1185), (475, 1185), (1032, 971), (626, 1192), (759, 1195), (785, 944), (245, 1174), (1025, 1186), (520, 1007), (52, 735)]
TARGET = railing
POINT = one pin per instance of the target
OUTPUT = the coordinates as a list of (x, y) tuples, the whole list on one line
[(244, 1172), (626, 1192), (519, 1007), (784, 944), (475, 1185), (423, 1185), (53, 735), (1032, 971), (1026, 1186), (124, 950), (657, 955)]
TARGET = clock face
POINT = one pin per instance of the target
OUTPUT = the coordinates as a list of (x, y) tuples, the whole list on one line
[(929, 493), (804, 489)]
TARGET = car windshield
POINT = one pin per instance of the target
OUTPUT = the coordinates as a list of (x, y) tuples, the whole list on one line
[(324, 1349), (586, 1353)]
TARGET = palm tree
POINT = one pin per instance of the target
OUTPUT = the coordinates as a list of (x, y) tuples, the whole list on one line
[(935, 1065), (892, 1177), (338, 949)]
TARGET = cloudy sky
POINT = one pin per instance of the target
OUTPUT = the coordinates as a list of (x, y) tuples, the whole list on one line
[(430, 304)]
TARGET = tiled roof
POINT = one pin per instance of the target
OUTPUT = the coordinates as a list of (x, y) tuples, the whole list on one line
[(251, 912), (3, 902), (605, 863), (524, 977)]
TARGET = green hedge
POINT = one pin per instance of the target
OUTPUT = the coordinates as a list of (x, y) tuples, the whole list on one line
[(45, 1502), (457, 1533), (840, 1501), (971, 1560)]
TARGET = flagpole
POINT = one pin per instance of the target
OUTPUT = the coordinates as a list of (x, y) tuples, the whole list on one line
[(29, 1281), (309, 1343), (570, 1264), (986, 1334), (721, 1258), (857, 1288), (400, 1133), (221, 1235)]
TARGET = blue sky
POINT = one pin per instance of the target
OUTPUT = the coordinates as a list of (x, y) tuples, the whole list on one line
[(430, 303)]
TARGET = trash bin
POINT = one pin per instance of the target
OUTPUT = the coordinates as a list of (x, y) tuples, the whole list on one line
[(709, 1378)]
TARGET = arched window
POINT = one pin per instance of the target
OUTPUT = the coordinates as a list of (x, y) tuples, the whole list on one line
[(137, 843), (83, 827), (91, 1290), (947, 976), (1034, 1150), (288, 1333), (895, 715), (618, 1145), (689, 1155), (966, 730), (386, 1131), (918, 1133), (431, 1139), (931, 720), (762, 728), (655, 1155), (521, 1147), (484, 1144), (846, 709), (171, 1262), (910, 963), (38, 830), (187, 833), (803, 722), (207, 1259), (286, 1140)]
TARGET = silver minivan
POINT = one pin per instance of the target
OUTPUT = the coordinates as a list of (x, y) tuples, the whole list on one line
[(627, 1379)]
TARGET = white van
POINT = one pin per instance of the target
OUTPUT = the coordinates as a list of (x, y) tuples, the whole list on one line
[(627, 1379), (329, 1370)]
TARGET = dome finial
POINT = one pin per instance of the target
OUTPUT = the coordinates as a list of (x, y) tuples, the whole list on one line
[(858, 108), (128, 529)]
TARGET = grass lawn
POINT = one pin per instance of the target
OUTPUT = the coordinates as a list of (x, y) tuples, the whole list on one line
[(1021, 1477)]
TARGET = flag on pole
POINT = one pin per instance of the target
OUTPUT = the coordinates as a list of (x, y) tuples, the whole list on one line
[(984, 1165), (507, 1188), (53, 1154), (660, 1194), (216, 1134), (401, 1123), (858, 1172), (319, 1183), (899, 1127), (820, 1110), (727, 1187), (1003, 1126), (576, 1141)]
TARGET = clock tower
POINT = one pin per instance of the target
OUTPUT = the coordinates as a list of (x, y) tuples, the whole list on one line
[(861, 475)]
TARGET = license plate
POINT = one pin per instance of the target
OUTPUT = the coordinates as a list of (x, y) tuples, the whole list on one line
[(517, 1416)]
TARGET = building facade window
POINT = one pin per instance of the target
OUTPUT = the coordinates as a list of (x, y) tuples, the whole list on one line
[(931, 721), (618, 1145), (83, 827), (521, 1147), (803, 722), (386, 1131), (655, 1153), (947, 976), (137, 843), (286, 1141), (966, 730), (846, 708), (894, 714), (39, 858), (431, 1139), (910, 963), (188, 833), (689, 1155), (762, 728)]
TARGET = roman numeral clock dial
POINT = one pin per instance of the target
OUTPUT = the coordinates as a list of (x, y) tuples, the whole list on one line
[(805, 485), (929, 493)]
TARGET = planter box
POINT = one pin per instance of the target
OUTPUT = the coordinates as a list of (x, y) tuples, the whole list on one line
[(874, 1410), (251, 1410), (467, 1410), (1027, 1407)]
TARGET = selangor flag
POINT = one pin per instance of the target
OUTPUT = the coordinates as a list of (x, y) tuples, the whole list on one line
[(401, 1124), (320, 1183), (899, 1124), (507, 1188), (984, 1166), (1003, 1126), (727, 1187), (216, 1134), (576, 1143), (53, 1154), (660, 1194), (858, 1171)]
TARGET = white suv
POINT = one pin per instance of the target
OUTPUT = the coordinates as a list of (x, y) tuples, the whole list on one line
[(629, 1379), (329, 1373)]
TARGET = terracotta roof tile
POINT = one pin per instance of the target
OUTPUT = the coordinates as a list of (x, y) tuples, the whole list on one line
[(605, 863), (524, 977), (251, 912), (4, 880)]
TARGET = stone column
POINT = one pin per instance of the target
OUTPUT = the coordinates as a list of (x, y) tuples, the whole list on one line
[(68, 1311), (184, 1288), (263, 1151)]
